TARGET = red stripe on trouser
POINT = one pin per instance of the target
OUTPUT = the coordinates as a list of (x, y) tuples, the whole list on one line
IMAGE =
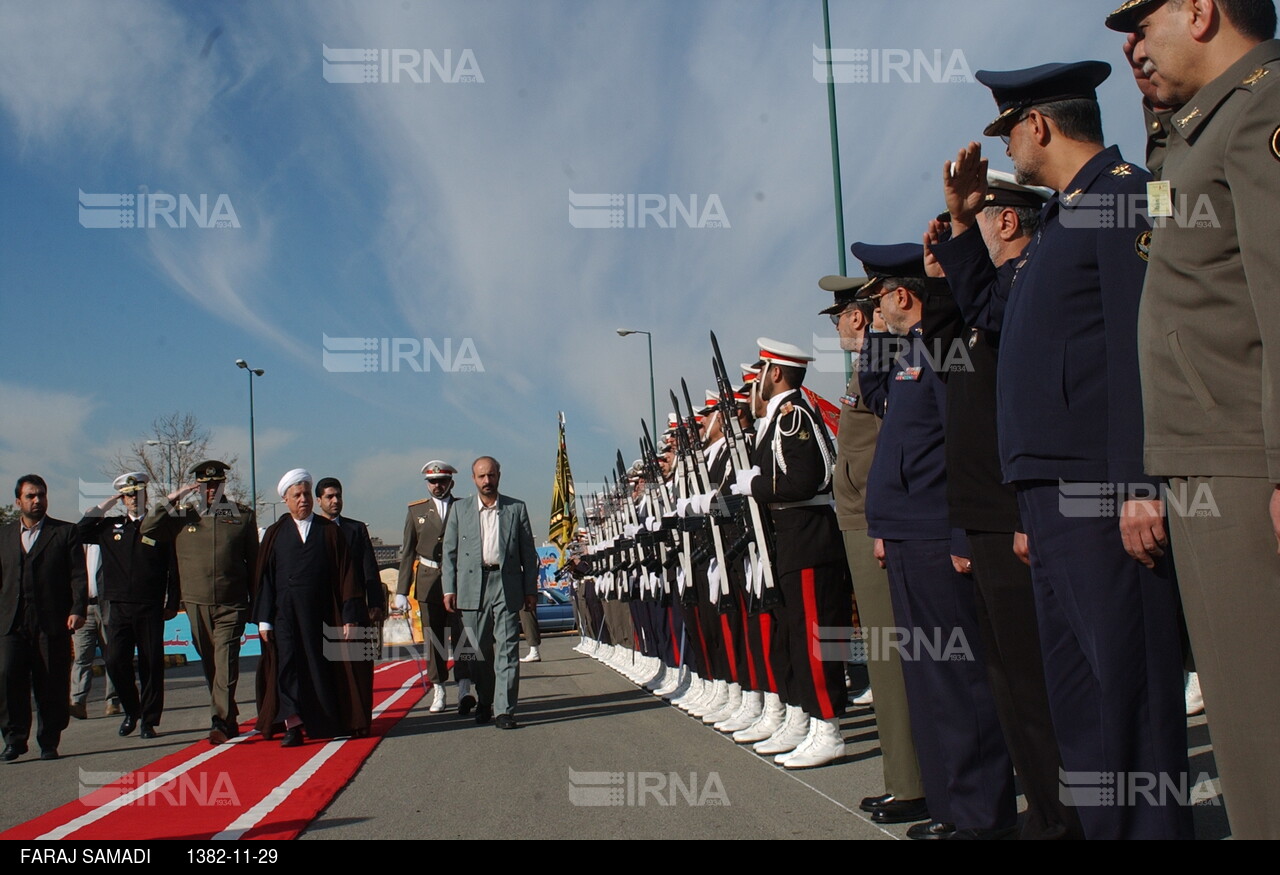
[(816, 666), (746, 637), (675, 641), (766, 632), (702, 644), (728, 647)]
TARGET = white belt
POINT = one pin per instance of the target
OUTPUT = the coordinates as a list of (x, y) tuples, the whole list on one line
[(816, 501), (430, 563)]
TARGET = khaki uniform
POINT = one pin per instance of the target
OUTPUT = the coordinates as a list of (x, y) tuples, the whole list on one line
[(423, 545), (855, 447), (1209, 348), (217, 551)]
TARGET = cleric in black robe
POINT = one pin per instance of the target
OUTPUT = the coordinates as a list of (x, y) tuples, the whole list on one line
[(307, 605)]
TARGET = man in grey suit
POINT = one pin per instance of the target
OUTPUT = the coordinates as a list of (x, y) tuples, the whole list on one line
[(490, 570)]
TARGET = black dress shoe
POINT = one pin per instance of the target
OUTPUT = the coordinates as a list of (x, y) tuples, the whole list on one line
[(128, 725), (49, 753), (932, 830), (292, 737), (466, 705), (901, 811), (484, 714), (871, 803), (988, 835), (148, 731), (506, 721), (12, 752)]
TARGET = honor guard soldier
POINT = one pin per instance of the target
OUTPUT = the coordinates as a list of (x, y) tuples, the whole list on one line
[(903, 800), (986, 507), (965, 766), (217, 546), (1209, 350), (140, 588), (423, 544), (791, 473), (1069, 417)]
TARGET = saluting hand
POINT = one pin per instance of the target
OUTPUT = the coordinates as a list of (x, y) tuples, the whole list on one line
[(934, 233), (1141, 75), (964, 183)]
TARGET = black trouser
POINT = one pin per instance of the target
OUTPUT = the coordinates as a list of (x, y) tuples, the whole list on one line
[(33, 661), (137, 627), (1011, 643)]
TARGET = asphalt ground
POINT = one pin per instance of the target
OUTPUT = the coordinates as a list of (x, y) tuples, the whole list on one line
[(594, 757)]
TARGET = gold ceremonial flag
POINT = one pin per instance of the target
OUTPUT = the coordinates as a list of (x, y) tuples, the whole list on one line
[(564, 508)]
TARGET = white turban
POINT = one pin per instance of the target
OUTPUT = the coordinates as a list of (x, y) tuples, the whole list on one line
[(297, 475)]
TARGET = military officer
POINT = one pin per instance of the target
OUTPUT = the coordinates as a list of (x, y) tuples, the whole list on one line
[(1069, 419), (1209, 351), (964, 764), (217, 545), (987, 508), (903, 800), (140, 584), (423, 544)]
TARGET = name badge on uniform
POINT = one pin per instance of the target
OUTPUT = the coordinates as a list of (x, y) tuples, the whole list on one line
[(150, 542), (908, 375), (1160, 199), (850, 401)]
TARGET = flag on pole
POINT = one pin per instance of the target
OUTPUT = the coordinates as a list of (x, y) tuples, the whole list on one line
[(829, 412), (564, 508)]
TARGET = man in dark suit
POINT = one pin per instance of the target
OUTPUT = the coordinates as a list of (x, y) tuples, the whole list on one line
[(43, 599), (490, 569), (360, 548), (140, 585)]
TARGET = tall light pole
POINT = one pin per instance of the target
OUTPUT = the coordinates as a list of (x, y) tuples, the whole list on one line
[(653, 401), (168, 458), (253, 463)]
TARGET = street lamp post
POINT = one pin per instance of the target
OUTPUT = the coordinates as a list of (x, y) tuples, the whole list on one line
[(168, 458), (653, 401), (253, 463)]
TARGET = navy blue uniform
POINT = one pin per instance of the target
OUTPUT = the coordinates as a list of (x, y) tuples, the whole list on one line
[(968, 777), (1069, 416)]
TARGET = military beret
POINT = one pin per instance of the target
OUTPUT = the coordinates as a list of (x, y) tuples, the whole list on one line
[(1018, 90)]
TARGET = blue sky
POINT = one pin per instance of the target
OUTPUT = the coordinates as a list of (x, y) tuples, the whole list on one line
[(440, 210)]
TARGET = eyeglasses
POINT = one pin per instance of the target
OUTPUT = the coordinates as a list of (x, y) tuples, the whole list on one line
[(1004, 138)]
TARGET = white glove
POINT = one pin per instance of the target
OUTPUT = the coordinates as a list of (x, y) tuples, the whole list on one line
[(630, 530), (653, 524), (682, 507), (400, 603), (743, 484), (702, 503), (713, 579)]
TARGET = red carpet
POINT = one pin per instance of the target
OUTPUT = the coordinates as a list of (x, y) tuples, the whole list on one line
[(248, 788)]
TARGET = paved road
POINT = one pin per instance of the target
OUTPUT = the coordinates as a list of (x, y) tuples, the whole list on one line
[(441, 776)]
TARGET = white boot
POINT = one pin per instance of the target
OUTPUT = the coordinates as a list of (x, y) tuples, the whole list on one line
[(714, 702), (651, 673), (672, 675), (705, 692), (683, 677), (771, 717), (864, 699), (728, 709), (437, 699), (1195, 699), (532, 656), (659, 680), (691, 691), (810, 731), (748, 713), (789, 735), (824, 745)]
